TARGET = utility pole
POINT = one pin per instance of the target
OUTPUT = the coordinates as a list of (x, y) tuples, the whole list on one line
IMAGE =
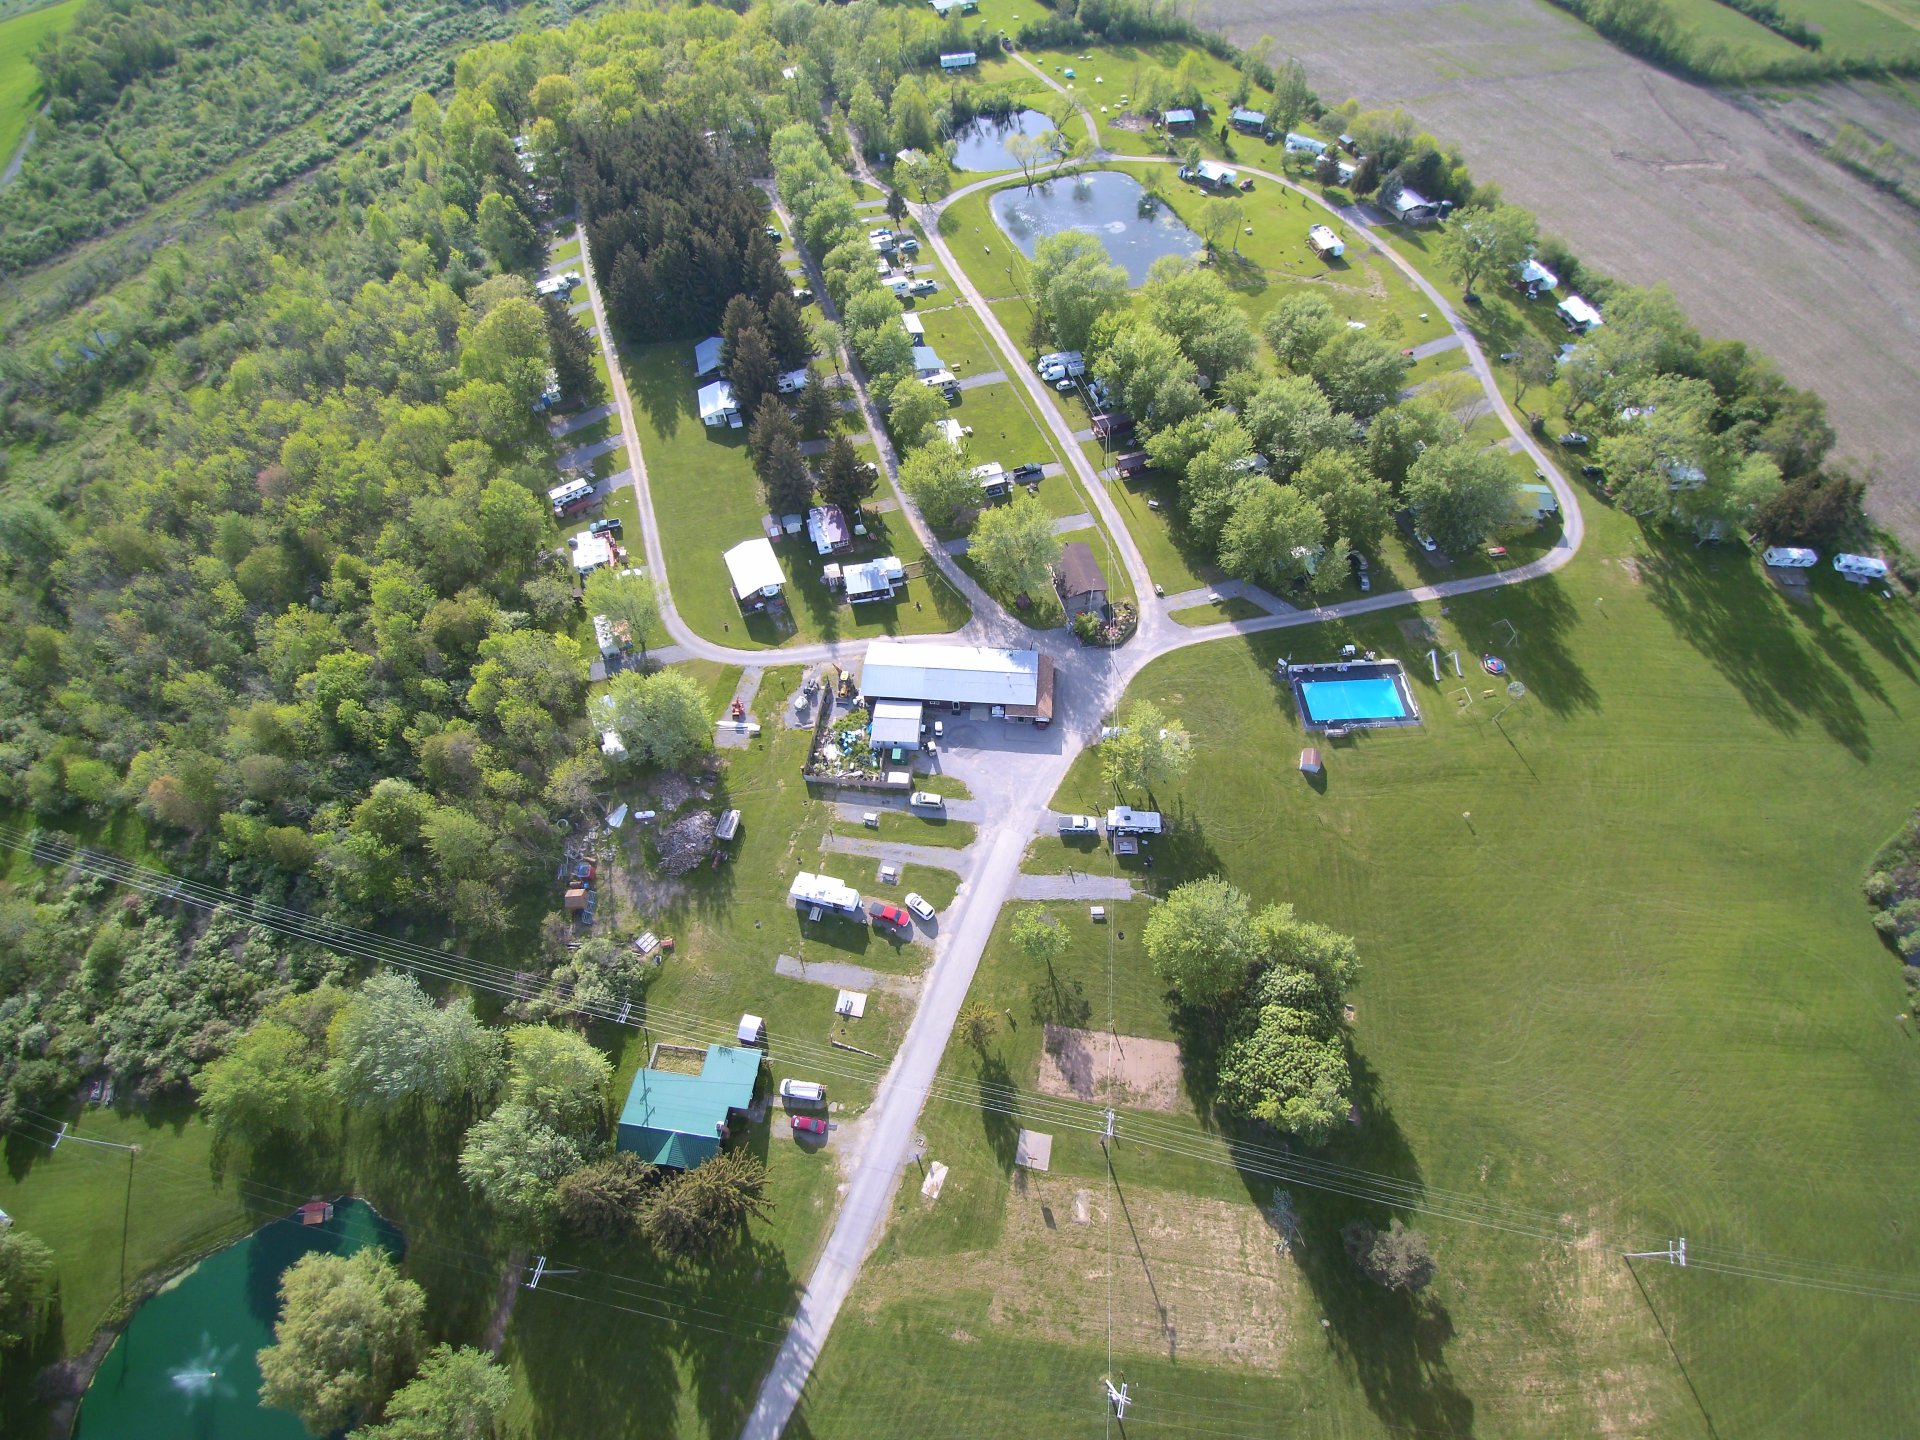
[(1118, 1399), (1106, 1135), (126, 1212), (1674, 1254)]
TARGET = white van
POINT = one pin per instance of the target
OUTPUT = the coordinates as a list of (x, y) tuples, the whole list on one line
[(1790, 557), (803, 1092), (1860, 568)]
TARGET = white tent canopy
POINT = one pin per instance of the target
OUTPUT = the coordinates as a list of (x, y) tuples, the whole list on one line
[(754, 568), (956, 674)]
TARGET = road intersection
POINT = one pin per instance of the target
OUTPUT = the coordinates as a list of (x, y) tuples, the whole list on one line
[(1014, 778)]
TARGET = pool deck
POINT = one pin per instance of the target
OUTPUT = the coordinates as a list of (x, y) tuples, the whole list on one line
[(1298, 677)]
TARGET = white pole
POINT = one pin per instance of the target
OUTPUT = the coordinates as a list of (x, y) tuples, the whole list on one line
[(1433, 659), (1458, 674)]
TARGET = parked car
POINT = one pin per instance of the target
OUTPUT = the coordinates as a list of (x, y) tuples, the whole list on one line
[(1427, 543), (803, 1092), (802, 295), (1573, 439), (926, 799), (1592, 472), (1023, 474), (1063, 385), (917, 903), (612, 525), (882, 913), (923, 286), (773, 232), (908, 244), (1079, 825), (808, 1124)]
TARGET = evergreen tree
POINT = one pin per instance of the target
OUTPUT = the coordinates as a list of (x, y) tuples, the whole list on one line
[(845, 479)]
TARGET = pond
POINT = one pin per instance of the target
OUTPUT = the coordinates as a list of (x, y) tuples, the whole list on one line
[(184, 1368), (1106, 204), (982, 145)]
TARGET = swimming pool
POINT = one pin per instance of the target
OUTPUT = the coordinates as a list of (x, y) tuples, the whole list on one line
[(1332, 702), (1356, 693)]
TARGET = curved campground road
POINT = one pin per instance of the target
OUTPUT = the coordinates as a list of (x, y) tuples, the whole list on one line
[(874, 1150)]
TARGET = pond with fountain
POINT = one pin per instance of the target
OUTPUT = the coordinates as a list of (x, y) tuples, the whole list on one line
[(184, 1368), (1136, 229)]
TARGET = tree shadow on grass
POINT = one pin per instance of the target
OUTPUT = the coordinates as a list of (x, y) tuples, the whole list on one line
[(665, 392), (1393, 1344), (1873, 620), (998, 1101), (748, 1285), (1538, 649), (1720, 607)]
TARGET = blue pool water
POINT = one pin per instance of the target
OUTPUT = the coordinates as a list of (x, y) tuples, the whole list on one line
[(1338, 700)]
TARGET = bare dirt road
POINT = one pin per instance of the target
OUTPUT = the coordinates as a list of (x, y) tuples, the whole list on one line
[(1652, 179)]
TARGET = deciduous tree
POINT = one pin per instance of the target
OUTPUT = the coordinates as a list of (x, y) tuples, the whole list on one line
[(661, 718), (391, 1044), (458, 1395), (1487, 239), (1151, 747), (26, 1287), (913, 410), (628, 600), (1397, 1258), (1202, 941), (514, 1158), (560, 1076), (1274, 536), (1299, 328), (1460, 494), (349, 1328), (1075, 283), (1015, 547), (941, 483), (1361, 374)]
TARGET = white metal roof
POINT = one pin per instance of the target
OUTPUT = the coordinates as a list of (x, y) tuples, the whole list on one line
[(706, 356), (872, 575), (913, 324), (1532, 272), (753, 567), (1409, 199), (1125, 817), (716, 402), (896, 722), (1323, 237), (1214, 173), (1579, 311), (964, 674)]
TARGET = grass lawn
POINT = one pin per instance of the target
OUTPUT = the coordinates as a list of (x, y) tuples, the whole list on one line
[(914, 827), (1229, 607), (20, 95), (1174, 562), (1617, 975), (1851, 28), (707, 500)]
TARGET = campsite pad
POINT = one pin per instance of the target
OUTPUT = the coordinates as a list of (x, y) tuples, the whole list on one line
[(1034, 1151), (851, 1004), (1112, 1069)]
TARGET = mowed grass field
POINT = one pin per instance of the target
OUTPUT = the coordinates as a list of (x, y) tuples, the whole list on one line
[(1618, 986), (707, 500), (20, 36)]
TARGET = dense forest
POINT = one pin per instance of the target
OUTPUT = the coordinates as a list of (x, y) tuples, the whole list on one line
[(676, 227), (280, 581)]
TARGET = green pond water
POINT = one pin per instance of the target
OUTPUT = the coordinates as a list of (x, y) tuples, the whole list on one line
[(184, 1368)]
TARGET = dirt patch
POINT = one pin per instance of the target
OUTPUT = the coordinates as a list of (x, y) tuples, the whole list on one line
[(1630, 567), (1200, 1280), (1420, 631), (1111, 1069)]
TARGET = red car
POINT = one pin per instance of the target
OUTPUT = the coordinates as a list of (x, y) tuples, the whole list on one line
[(888, 915), (808, 1125)]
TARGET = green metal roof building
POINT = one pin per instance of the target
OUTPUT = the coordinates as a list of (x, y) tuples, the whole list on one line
[(679, 1120)]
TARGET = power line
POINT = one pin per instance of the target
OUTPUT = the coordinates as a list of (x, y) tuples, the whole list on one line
[(1144, 1132)]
